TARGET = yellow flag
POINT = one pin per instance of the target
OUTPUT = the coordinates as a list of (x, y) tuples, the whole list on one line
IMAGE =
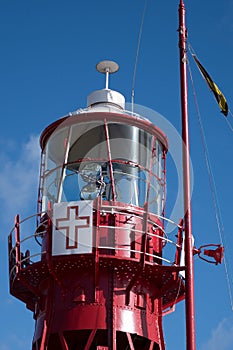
[(213, 87)]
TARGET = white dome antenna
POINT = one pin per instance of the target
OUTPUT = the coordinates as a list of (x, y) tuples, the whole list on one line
[(106, 98), (107, 67)]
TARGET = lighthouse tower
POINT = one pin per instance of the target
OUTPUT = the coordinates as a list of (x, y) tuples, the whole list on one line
[(93, 271)]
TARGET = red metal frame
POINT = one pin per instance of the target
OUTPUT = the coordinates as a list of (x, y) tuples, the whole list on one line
[(189, 274), (145, 277), (146, 208), (109, 159)]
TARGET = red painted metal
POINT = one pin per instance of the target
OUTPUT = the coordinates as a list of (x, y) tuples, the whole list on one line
[(164, 180), (217, 254), (44, 337), (17, 245), (179, 243), (96, 302), (189, 272), (146, 210), (63, 342), (130, 341), (111, 298), (109, 159)]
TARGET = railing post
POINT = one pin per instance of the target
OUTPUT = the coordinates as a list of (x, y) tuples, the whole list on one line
[(17, 244)]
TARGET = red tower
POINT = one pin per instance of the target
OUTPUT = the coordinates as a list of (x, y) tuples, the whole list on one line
[(93, 271)]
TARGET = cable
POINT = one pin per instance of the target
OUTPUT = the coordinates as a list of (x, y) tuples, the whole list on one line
[(211, 183), (228, 122), (137, 54)]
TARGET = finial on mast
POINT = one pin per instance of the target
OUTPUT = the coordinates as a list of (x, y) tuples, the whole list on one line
[(107, 67)]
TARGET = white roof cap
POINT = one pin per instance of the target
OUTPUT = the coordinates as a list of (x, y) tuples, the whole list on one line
[(106, 97)]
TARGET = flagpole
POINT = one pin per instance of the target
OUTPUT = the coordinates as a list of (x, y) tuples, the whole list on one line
[(189, 271)]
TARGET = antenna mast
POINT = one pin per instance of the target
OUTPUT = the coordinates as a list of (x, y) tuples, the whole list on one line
[(189, 272)]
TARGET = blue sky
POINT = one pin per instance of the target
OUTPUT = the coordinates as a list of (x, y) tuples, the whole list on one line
[(49, 50)]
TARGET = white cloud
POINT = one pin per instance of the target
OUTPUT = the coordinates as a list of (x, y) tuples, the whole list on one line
[(221, 338), (18, 178)]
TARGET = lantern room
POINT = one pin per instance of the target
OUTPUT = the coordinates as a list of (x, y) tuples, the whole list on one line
[(104, 152)]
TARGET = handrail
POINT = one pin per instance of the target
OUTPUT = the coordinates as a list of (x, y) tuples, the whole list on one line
[(141, 211), (27, 258), (26, 219), (140, 231), (32, 256), (163, 239), (133, 212), (163, 259), (34, 235), (137, 251)]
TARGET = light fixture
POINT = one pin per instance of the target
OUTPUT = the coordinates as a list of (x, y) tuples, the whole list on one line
[(90, 191), (91, 172)]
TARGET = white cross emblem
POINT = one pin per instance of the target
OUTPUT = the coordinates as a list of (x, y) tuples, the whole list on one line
[(72, 231)]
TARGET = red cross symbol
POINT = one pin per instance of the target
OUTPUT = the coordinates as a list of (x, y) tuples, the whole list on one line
[(71, 223)]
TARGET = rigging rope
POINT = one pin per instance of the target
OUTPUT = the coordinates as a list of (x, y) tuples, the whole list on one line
[(228, 122), (137, 54), (211, 183)]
